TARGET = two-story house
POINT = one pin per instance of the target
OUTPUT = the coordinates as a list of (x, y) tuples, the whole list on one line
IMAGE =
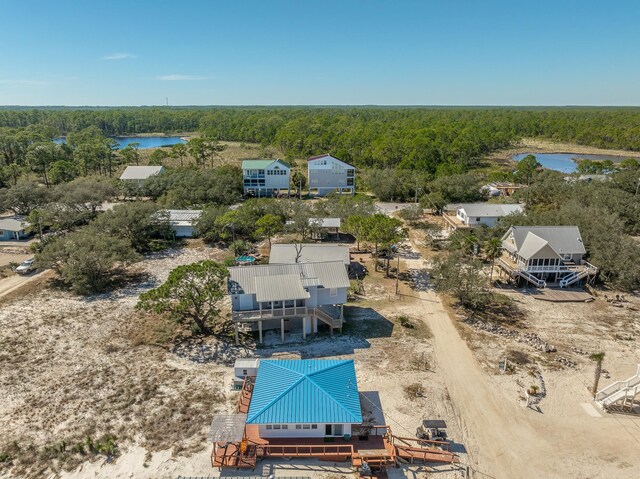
[(328, 174), (264, 178), (291, 297), (545, 255)]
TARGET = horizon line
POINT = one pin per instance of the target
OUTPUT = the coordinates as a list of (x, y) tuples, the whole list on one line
[(325, 105)]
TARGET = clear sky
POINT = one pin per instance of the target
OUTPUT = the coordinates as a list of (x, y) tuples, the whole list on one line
[(321, 52)]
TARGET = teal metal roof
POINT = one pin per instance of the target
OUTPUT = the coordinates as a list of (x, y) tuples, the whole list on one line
[(260, 164), (300, 391)]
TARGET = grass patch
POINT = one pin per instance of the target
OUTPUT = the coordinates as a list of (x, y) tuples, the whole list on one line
[(414, 391), (154, 330)]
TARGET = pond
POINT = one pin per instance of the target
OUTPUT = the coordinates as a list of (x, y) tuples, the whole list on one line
[(144, 141), (564, 161)]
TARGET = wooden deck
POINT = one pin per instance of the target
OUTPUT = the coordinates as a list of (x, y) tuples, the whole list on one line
[(245, 395), (563, 296), (379, 450), (239, 456)]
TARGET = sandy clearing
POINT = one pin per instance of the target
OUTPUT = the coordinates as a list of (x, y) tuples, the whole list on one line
[(77, 372), (507, 440)]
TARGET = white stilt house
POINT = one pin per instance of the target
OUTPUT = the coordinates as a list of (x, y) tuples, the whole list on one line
[(542, 255), (289, 297)]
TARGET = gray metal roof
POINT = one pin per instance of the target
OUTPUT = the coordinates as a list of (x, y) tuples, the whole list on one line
[(309, 253), (140, 172), (280, 288), (329, 274), (227, 427), (489, 210), (531, 239), (325, 222), (183, 217), (14, 223)]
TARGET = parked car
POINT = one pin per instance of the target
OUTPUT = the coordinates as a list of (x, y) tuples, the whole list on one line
[(26, 267)]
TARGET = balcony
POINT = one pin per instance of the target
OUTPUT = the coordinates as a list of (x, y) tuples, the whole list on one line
[(275, 313)]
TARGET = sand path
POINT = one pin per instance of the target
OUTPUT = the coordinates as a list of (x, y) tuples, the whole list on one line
[(15, 282), (506, 440)]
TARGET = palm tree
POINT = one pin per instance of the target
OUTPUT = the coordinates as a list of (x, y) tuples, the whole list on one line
[(598, 358), (492, 249)]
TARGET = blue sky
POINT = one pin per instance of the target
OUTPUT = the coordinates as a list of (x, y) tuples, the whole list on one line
[(272, 52)]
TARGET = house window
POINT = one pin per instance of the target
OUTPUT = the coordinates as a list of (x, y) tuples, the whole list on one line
[(269, 427), (244, 372), (298, 426), (314, 426), (477, 219), (333, 292), (276, 426), (285, 426), (305, 426)]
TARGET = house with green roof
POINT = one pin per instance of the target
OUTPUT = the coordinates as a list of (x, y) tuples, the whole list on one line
[(264, 178), (298, 398)]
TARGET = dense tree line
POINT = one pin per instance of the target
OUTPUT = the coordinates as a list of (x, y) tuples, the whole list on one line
[(437, 141)]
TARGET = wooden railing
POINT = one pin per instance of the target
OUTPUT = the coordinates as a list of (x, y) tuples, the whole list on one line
[(275, 313), (295, 450)]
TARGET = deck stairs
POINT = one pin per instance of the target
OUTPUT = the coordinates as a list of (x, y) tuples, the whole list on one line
[(513, 272), (423, 451), (587, 271), (620, 392), (333, 323)]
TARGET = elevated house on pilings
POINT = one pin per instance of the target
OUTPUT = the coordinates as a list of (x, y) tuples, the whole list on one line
[(289, 297), (545, 255)]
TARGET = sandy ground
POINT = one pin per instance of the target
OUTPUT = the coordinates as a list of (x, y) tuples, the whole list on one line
[(565, 436), (15, 282), (81, 371)]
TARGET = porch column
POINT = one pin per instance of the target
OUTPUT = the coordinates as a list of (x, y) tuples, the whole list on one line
[(236, 334), (314, 324), (304, 327), (342, 312), (260, 330), (282, 330)]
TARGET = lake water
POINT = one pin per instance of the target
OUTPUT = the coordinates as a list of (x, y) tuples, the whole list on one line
[(564, 161), (145, 141)]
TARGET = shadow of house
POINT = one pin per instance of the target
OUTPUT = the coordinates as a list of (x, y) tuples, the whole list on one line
[(366, 323)]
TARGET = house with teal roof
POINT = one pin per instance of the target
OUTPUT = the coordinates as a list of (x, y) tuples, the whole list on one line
[(264, 178), (305, 398)]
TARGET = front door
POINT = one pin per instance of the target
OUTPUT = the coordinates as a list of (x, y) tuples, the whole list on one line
[(333, 430)]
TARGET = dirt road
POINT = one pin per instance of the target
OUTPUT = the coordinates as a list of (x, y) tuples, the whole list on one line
[(15, 282), (506, 440)]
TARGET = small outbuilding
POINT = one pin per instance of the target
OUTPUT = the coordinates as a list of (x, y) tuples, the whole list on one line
[(14, 228), (243, 368), (183, 222)]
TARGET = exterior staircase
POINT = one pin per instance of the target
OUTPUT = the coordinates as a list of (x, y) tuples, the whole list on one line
[(620, 392), (333, 323), (587, 271), (513, 272)]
